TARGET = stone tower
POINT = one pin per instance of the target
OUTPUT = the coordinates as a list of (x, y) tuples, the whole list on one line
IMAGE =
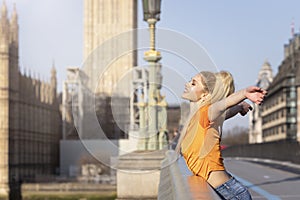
[(29, 116), (265, 78), (104, 20), (108, 24), (9, 81)]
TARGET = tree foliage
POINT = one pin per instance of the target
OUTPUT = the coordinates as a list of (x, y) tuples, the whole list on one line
[(235, 136)]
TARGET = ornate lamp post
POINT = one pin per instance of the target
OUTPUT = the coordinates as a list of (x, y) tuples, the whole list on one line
[(156, 103), (151, 10)]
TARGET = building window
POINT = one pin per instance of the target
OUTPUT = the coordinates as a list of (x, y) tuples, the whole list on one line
[(291, 80), (293, 110), (291, 120)]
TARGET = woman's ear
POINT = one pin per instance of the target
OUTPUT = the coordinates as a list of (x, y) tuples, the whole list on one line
[(204, 95)]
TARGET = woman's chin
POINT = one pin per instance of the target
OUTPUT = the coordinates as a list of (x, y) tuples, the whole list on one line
[(185, 96)]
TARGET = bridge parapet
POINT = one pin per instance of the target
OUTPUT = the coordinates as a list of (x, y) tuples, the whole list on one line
[(177, 182)]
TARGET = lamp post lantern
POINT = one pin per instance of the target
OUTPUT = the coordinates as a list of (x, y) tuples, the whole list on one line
[(156, 103), (151, 10)]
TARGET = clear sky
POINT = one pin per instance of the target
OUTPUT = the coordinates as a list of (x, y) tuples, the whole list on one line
[(238, 35)]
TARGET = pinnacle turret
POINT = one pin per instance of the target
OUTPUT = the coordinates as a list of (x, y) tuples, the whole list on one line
[(265, 75), (53, 70), (14, 27), (266, 66), (4, 18), (53, 76), (4, 11), (14, 17), (9, 30)]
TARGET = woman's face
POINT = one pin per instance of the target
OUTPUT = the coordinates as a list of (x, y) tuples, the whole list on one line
[(194, 90)]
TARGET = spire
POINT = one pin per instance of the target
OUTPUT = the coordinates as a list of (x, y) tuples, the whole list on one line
[(14, 17), (53, 76), (53, 70), (292, 28), (4, 18), (24, 71), (266, 66), (4, 10), (265, 75), (14, 27), (53, 83)]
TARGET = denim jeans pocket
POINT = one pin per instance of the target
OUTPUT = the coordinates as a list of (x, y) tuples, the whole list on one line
[(234, 190)]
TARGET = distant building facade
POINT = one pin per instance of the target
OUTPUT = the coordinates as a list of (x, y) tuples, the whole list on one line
[(30, 124), (280, 110), (104, 21), (265, 78)]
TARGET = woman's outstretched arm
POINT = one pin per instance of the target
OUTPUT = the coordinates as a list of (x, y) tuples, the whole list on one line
[(242, 108), (253, 93)]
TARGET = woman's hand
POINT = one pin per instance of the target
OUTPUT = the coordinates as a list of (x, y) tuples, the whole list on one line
[(244, 108), (255, 94)]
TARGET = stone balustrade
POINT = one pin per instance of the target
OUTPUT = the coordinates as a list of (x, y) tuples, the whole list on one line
[(177, 182)]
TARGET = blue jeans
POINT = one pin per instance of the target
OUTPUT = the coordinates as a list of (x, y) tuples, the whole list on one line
[(233, 189)]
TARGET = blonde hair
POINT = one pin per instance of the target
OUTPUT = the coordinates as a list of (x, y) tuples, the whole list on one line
[(208, 79), (228, 82), (224, 86), (219, 86)]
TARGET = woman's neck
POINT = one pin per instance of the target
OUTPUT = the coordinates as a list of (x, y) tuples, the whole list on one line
[(193, 106)]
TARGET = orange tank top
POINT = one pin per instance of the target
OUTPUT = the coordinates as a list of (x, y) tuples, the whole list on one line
[(201, 145)]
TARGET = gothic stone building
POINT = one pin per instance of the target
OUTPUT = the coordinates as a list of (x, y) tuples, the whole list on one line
[(265, 78), (280, 110), (29, 115)]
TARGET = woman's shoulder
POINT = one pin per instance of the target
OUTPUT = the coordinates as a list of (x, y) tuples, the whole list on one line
[(203, 116)]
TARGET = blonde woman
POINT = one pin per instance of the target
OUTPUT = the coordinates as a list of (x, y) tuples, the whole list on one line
[(210, 95)]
